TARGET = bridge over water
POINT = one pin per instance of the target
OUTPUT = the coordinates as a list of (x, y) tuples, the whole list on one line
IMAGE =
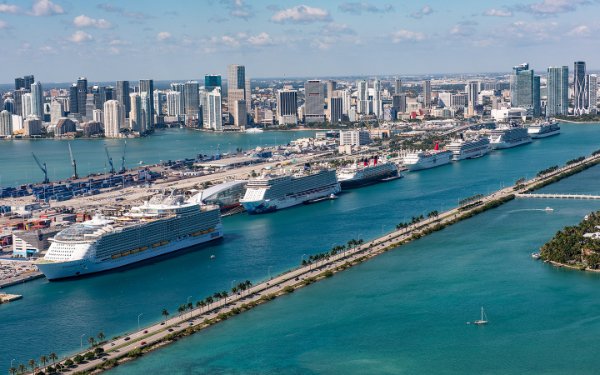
[(558, 196)]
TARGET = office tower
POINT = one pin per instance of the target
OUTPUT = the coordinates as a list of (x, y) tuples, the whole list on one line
[(287, 107), (37, 100), (362, 97), (114, 118), (98, 116), (191, 100), (159, 98), (212, 108), (240, 116), (122, 95), (536, 96), (147, 86), (19, 83), (32, 126), (427, 94), (73, 107), (472, 90), (109, 93), (346, 96), (525, 89), (99, 93), (27, 109), (9, 105), (56, 112), (579, 102), (175, 105), (238, 86), (558, 91), (28, 80), (591, 89), (211, 81), (82, 91), (18, 96), (330, 88), (135, 112), (377, 103), (397, 86), (399, 103), (6, 126), (313, 102), (334, 109), (145, 123)]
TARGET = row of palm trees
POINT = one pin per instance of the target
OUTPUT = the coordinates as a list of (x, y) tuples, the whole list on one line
[(44, 360), (414, 220), (315, 258)]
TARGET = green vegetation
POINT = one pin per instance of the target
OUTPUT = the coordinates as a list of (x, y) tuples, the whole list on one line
[(289, 289), (569, 246), (546, 171), (468, 200), (581, 118)]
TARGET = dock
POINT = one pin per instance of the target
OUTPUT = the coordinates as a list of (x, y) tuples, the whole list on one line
[(559, 196)]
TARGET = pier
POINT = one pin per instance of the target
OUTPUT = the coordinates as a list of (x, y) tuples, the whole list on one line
[(558, 196)]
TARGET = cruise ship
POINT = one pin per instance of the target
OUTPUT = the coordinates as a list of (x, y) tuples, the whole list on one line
[(427, 159), (275, 192), (365, 173), (162, 225), (508, 136), (469, 148), (544, 129)]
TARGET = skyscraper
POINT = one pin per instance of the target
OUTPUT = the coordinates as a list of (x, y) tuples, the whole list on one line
[(536, 93), (287, 107), (211, 81), (397, 86), (579, 102), (238, 86), (175, 105), (191, 99), (399, 103), (330, 88), (362, 97), (591, 89), (6, 127), (114, 118), (82, 91), (427, 94), (26, 105), (558, 91), (135, 113), (313, 105), (19, 83), (73, 98), (334, 109), (123, 95), (37, 100), (147, 86), (240, 116), (145, 123), (56, 112), (28, 80), (377, 103), (212, 108), (525, 89)]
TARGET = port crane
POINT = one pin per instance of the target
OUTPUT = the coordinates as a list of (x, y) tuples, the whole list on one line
[(110, 161), (42, 167), (122, 170), (73, 163)]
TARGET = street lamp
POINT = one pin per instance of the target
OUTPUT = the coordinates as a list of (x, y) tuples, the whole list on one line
[(11, 362), (269, 270), (139, 316), (81, 340), (302, 258)]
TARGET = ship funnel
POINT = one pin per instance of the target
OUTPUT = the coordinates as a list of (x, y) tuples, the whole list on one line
[(437, 146)]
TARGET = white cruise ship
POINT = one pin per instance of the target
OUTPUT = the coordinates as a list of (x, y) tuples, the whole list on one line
[(163, 225), (270, 193), (543, 129), (469, 148), (366, 173), (508, 136), (427, 159)]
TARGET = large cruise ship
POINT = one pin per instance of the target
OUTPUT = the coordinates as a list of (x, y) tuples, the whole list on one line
[(368, 172), (544, 129), (469, 148), (275, 192), (508, 136), (162, 225), (427, 159)]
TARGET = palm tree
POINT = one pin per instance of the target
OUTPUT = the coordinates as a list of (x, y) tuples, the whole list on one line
[(53, 358), (100, 336), (43, 361), (181, 309), (224, 295), (165, 313), (234, 290), (209, 300), (32, 364), (190, 306), (22, 368), (91, 340), (12, 370)]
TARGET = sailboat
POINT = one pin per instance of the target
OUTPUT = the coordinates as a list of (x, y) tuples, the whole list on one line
[(483, 320)]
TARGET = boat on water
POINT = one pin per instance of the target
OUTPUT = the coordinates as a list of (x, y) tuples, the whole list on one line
[(272, 192), (483, 320), (366, 172), (254, 130), (427, 159), (536, 255), (162, 225), (508, 136), (548, 209), (469, 148), (544, 129)]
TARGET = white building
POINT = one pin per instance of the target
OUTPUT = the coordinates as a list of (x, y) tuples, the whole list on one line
[(135, 113), (212, 108), (377, 103), (6, 126), (354, 138), (114, 118)]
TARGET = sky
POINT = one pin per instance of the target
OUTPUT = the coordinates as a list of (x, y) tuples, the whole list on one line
[(108, 40)]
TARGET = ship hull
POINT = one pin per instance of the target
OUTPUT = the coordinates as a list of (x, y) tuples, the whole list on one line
[(359, 182), (265, 206), (471, 155), (504, 145), (81, 267), (544, 135), (437, 161)]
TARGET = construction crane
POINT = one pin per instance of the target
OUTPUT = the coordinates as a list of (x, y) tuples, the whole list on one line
[(42, 167), (110, 161), (123, 159), (73, 163)]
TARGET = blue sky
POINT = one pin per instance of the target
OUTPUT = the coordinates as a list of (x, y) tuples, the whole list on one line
[(59, 40)]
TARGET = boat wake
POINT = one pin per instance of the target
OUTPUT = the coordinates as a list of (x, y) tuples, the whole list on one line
[(531, 209)]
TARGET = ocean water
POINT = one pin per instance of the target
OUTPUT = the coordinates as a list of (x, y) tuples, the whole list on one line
[(53, 316)]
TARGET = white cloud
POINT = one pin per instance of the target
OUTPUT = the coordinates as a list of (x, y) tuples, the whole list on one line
[(493, 12), (238, 8), (533, 31), (407, 36), (425, 11), (163, 36), (301, 14), (3, 25), (85, 21), (80, 37), (9, 8), (45, 8), (552, 7), (358, 8), (262, 39), (580, 31)]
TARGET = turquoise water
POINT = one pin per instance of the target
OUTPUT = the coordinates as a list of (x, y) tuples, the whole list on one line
[(18, 166), (52, 316)]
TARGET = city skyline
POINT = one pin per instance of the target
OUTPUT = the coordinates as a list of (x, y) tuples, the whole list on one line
[(107, 41)]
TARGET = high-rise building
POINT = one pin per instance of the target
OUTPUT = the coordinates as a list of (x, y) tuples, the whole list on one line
[(159, 98), (472, 90), (175, 105), (558, 91), (399, 103), (314, 94), (240, 116), (238, 85), (397, 86), (536, 96), (56, 112), (6, 126), (123, 95), (98, 116), (19, 83), (73, 107), (114, 118), (18, 96), (147, 86), (287, 107), (145, 123), (191, 99), (362, 97), (82, 91), (28, 80), (135, 113), (377, 103), (32, 126), (330, 88), (592, 92), (212, 108), (9, 105), (525, 89), (579, 102), (427, 94), (211, 81), (334, 109), (27, 109), (37, 100)]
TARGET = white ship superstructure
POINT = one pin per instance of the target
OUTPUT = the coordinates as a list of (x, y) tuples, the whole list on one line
[(365, 173), (508, 136), (469, 148), (163, 225), (543, 129), (275, 192), (427, 159)]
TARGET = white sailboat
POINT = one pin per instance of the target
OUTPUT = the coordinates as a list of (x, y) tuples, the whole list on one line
[(483, 320)]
